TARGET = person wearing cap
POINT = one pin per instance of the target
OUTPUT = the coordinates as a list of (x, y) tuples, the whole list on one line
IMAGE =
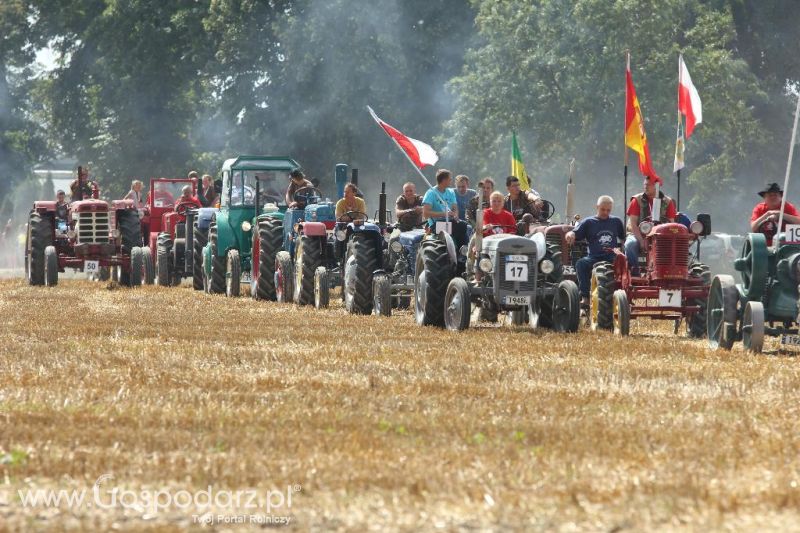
[(640, 209), (298, 181), (766, 214)]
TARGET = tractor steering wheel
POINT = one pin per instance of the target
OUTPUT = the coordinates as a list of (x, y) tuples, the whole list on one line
[(489, 229), (182, 207), (349, 215), (546, 212), (304, 195)]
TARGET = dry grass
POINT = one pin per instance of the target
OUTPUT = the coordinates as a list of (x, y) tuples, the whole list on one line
[(384, 424)]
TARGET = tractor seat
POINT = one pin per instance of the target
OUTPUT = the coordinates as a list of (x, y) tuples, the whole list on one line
[(411, 238)]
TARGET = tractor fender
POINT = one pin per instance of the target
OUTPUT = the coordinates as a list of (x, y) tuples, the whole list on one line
[(314, 229), (451, 246), (621, 272), (42, 206), (121, 205), (204, 217), (539, 240), (225, 237)]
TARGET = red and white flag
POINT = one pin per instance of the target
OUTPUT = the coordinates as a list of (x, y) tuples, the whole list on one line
[(688, 100), (418, 152)]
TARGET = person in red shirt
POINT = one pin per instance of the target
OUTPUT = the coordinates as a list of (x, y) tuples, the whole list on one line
[(765, 215), (496, 219), (640, 209)]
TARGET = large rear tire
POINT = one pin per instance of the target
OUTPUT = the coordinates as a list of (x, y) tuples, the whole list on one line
[(233, 274), (601, 312), (216, 285), (432, 275), (270, 240), (164, 259), (130, 230), (199, 240), (50, 266), (40, 236), (361, 263), (308, 256)]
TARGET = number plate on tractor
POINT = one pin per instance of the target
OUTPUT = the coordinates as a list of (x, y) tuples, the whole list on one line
[(516, 258), (517, 300), (790, 340), (669, 298), (91, 267), (516, 271)]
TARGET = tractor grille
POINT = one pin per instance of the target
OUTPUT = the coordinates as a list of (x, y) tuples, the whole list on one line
[(512, 286), (553, 239), (92, 227), (672, 250)]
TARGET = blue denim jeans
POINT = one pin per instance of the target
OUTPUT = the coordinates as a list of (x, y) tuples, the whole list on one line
[(632, 254), (583, 267)]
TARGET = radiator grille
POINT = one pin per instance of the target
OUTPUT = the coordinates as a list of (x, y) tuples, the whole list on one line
[(92, 227), (672, 250), (513, 286)]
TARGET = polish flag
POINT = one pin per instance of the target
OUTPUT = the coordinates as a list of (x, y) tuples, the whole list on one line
[(418, 152), (688, 100)]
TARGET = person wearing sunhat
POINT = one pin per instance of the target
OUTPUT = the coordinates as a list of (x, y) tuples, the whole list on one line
[(766, 214), (298, 181)]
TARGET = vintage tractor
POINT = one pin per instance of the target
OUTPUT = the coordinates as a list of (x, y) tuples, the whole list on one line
[(96, 235), (505, 273), (168, 224), (267, 238), (568, 255), (672, 286), (230, 234), (765, 302)]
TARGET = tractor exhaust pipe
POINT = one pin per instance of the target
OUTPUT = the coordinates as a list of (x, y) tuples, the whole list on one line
[(382, 206), (354, 177), (340, 178)]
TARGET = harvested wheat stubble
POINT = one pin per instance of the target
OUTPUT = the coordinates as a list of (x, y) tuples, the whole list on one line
[(384, 425)]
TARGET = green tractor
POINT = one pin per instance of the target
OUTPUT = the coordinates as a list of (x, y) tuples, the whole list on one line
[(251, 207)]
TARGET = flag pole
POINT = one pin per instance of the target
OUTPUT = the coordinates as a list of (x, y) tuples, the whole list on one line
[(624, 202), (788, 169), (678, 202)]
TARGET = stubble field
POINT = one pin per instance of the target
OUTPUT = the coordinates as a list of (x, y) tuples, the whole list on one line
[(377, 424)]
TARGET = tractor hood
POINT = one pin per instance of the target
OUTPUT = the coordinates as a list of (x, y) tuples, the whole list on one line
[(511, 244), (84, 206), (411, 238), (321, 212)]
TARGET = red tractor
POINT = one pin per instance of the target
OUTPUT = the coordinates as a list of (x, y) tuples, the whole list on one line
[(672, 285), (90, 235), (169, 234)]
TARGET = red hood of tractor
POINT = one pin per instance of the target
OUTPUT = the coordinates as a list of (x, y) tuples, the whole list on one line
[(84, 206), (671, 228)]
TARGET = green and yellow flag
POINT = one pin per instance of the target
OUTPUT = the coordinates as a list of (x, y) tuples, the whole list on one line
[(517, 166)]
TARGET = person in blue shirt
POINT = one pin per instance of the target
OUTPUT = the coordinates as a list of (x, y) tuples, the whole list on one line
[(463, 195), (439, 205), (602, 232)]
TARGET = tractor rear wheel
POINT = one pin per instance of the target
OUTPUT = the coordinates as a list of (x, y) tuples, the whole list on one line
[(233, 274), (136, 265), (164, 259), (457, 305), (284, 277), (723, 298), (148, 268), (696, 326), (601, 313), (130, 229), (565, 312), (270, 240), (216, 283), (308, 256), (432, 276), (322, 290), (622, 313), (199, 240), (50, 266), (382, 295), (40, 236), (360, 265)]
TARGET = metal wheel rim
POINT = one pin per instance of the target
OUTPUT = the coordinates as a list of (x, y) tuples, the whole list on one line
[(419, 296), (349, 282), (453, 311), (753, 327), (617, 314), (561, 308), (594, 304)]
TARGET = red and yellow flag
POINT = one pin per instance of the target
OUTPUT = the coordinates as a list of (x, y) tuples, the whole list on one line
[(635, 137)]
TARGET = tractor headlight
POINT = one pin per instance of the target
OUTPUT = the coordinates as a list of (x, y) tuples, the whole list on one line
[(696, 227), (341, 235), (546, 266), (645, 227), (485, 265), (396, 247), (246, 226), (71, 234)]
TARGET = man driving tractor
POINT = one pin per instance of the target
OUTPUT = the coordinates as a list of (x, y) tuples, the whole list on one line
[(298, 181), (765, 214), (350, 205), (640, 209), (408, 208), (603, 232), (82, 188)]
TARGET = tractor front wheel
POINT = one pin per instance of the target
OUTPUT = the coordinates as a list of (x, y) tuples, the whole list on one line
[(360, 265), (565, 313), (723, 298), (697, 325), (216, 283), (50, 266), (458, 306), (601, 312), (433, 273), (308, 256), (382, 295), (148, 268), (622, 313), (322, 290), (233, 274), (40, 236), (136, 265), (270, 240), (284, 277), (753, 327), (199, 240), (164, 260)]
